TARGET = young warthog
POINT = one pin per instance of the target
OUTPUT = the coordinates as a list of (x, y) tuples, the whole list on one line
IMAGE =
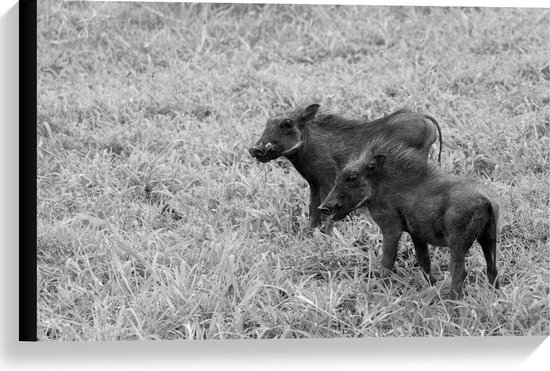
[(320, 144), (405, 193)]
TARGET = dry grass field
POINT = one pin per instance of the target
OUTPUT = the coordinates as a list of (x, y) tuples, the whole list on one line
[(155, 223)]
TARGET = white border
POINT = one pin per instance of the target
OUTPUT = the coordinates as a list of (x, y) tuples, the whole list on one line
[(394, 354)]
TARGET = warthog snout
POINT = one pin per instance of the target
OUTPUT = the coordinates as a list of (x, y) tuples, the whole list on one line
[(328, 209), (263, 152), (256, 152)]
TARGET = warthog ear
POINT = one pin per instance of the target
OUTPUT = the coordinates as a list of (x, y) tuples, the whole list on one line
[(377, 163), (309, 113)]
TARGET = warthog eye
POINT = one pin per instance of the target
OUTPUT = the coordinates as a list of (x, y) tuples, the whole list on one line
[(286, 125), (352, 177)]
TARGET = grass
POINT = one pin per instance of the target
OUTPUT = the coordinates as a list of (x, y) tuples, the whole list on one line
[(155, 223)]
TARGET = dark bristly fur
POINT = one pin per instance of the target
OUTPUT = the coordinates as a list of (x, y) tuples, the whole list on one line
[(319, 144), (405, 193)]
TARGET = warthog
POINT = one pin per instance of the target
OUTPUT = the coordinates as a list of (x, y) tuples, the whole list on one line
[(405, 193)]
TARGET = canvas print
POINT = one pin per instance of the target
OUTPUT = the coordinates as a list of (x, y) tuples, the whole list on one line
[(263, 171)]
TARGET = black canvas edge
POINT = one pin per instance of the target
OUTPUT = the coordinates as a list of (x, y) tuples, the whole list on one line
[(27, 171)]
